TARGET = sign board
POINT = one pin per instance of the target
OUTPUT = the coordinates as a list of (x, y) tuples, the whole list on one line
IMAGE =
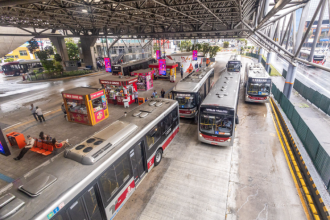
[(194, 55), (4, 149), (71, 96), (96, 94), (162, 67), (157, 54), (107, 64)]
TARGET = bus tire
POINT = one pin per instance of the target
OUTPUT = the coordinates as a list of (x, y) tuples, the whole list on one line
[(158, 156)]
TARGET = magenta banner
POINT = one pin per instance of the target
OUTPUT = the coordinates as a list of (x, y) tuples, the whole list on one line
[(157, 54), (107, 64), (162, 67), (194, 58)]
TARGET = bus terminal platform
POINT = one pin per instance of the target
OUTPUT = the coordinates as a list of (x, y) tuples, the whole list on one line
[(249, 180)]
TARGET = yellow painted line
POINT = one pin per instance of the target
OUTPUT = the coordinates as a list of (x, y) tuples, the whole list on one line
[(289, 164), (32, 120)]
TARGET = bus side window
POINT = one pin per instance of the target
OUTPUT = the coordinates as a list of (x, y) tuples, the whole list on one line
[(153, 136), (175, 117), (168, 121), (76, 211), (115, 177), (92, 205)]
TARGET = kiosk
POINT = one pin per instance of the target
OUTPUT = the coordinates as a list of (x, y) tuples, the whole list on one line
[(170, 71), (145, 81), (85, 105), (119, 88)]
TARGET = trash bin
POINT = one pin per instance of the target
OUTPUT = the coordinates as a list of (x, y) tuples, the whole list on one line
[(16, 138)]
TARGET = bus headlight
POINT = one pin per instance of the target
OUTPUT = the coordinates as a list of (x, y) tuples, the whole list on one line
[(200, 134), (229, 139)]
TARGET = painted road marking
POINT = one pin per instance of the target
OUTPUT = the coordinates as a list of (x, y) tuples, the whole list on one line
[(6, 178), (12, 125)]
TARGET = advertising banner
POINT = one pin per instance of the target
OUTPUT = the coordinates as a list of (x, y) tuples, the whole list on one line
[(194, 56), (162, 67), (4, 149), (107, 64), (157, 54), (96, 94)]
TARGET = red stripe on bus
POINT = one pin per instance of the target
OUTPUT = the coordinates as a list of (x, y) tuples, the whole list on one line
[(151, 162), (170, 139), (123, 196), (217, 139)]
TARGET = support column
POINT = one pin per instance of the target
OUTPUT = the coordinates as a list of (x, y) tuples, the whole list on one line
[(261, 51), (269, 54), (87, 46), (59, 44), (290, 77), (317, 32)]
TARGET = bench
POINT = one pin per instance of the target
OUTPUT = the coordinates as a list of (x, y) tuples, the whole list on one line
[(41, 147)]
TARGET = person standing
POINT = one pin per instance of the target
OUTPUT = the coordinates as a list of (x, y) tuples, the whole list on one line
[(33, 110), (162, 93), (40, 114), (136, 95), (181, 72), (27, 147), (154, 94)]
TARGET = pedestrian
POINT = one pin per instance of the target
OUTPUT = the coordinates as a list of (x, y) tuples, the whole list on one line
[(136, 95), (98, 65), (162, 93), (63, 109), (181, 72), (33, 110), (27, 147), (40, 114), (154, 94)]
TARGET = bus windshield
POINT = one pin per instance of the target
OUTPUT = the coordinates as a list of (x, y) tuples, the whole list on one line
[(258, 86), (186, 100), (318, 57), (216, 121), (234, 66)]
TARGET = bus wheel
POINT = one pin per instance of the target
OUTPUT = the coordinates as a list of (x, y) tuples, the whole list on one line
[(158, 156)]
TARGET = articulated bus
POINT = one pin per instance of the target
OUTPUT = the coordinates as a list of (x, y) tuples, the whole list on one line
[(318, 58), (95, 178), (191, 91), (23, 66), (257, 83), (218, 112)]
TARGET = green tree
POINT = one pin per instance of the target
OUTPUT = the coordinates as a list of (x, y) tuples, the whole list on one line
[(213, 51), (9, 60), (33, 46), (185, 44), (49, 50), (44, 59), (58, 58), (225, 44), (73, 50), (205, 48), (156, 47)]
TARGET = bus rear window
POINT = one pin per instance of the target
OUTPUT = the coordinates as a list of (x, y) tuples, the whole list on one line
[(234, 66)]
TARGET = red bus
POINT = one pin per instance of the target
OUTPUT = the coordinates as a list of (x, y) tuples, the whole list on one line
[(24, 66)]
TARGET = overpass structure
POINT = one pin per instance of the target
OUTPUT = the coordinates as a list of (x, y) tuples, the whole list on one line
[(269, 25)]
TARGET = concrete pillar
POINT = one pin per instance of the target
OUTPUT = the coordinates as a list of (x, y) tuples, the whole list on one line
[(87, 46), (269, 54), (260, 54), (59, 44), (290, 77), (317, 32)]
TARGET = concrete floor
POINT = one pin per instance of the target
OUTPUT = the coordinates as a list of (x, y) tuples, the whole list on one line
[(249, 180)]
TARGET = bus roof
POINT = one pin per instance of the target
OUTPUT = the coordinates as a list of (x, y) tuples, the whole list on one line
[(235, 58), (130, 63), (257, 71), (193, 81), (10, 63), (29, 61), (224, 92), (64, 189)]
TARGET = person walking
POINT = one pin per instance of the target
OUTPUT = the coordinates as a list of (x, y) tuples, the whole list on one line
[(162, 93), (154, 94), (181, 72), (33, 111), (136, 95), (40, 114), (27, 147)]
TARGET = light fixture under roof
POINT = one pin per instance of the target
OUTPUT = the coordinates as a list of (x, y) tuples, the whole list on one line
[(84, 10)]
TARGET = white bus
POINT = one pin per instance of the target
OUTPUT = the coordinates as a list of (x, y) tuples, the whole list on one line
[(94, 179), (318, 58), (191, 91), (234, 63), (257, 83), (218, 112)]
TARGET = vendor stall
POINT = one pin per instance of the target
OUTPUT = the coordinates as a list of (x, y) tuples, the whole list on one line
[(145, 81), (170, 71), (85, 105), (119, 88)]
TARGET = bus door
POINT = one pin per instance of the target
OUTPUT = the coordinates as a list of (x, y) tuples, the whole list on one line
[(137, 160)]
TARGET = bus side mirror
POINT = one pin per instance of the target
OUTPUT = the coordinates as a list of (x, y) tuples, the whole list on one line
[(236, 120)]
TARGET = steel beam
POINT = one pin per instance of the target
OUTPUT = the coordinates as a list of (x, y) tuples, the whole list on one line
[(309, 28), (278, 6), (317, 32)]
